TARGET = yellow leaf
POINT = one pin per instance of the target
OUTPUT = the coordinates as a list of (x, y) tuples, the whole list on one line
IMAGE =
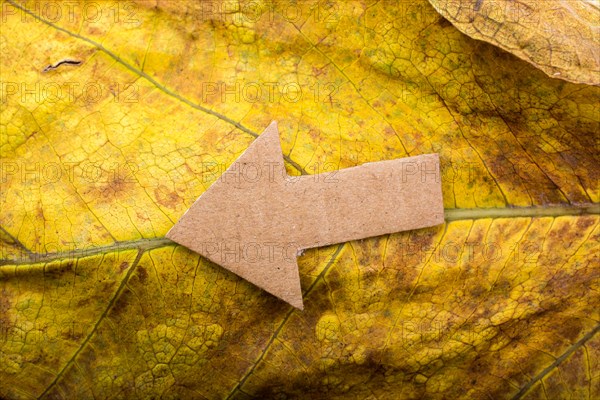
[(558, 37), (101, 154)]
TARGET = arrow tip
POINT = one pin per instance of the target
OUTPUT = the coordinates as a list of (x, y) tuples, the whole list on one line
[(231, 224)]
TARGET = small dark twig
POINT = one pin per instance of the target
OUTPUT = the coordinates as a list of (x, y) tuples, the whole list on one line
[(52, 67)]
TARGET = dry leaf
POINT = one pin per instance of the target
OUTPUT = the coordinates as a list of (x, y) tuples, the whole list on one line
[(99, 159), (560, 37)]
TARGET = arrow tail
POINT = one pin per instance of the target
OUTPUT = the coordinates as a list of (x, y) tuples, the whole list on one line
[(368, 200)]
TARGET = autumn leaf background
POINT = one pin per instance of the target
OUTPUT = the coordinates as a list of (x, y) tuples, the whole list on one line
[(100, 159)]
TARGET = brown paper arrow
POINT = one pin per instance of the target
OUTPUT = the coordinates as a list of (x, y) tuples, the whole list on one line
[(255, 219)]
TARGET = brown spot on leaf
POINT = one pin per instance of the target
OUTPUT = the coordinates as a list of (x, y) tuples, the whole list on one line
[(166, 197), (142, 274), (123, 300), (443, 22), (5, 305), (123, 266), (110, 187)]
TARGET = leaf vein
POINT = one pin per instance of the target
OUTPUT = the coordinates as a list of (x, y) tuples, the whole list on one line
[(112, 301), (153, 81), (243, 380), (556, 362)]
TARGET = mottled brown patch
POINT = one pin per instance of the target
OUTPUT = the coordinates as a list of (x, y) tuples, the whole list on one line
[(585, 222), (142, 274), (122, 302), (167, 198), (111, 186), (5, 306), (124, 265), (83, 302), (443, 22)]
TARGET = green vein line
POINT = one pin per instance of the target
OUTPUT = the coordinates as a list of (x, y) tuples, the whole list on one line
[(93, 331), (137, 71), (241, 382), (456, 214), (452, 214), (141, 244), (17, 242), (556, 362), (150, 79)]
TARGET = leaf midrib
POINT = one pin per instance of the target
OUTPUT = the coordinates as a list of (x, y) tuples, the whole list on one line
[(452, 214)]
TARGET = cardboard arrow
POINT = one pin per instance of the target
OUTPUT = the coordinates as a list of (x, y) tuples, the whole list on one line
[(255, 219)]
